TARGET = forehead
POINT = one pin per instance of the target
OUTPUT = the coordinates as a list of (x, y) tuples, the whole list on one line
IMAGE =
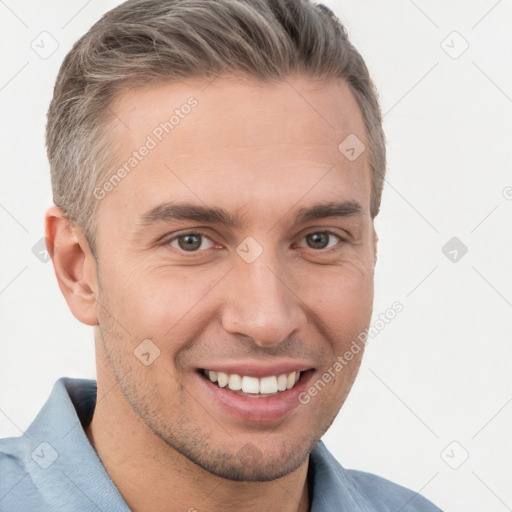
[(232, 142), (238, 111)]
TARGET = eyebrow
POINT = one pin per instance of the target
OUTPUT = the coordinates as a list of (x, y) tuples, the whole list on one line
[(168, 212)]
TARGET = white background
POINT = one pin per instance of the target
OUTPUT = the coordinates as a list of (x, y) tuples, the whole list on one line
[(441, 371)]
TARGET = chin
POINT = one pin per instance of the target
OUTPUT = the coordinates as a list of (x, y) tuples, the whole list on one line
[(250, 463)]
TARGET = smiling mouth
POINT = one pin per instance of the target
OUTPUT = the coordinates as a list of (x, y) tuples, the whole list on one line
[(253, 387)]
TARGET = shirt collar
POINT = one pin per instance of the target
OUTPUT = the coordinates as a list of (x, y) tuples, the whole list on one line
[(76, 479)]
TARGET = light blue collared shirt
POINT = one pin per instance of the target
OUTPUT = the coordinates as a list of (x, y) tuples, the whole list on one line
[(53, 467)]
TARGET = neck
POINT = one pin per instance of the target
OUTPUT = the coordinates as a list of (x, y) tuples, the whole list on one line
[(151, 476)]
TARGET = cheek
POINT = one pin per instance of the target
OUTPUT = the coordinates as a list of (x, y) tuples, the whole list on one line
[(340, 297), (153, 300), (168, 306)]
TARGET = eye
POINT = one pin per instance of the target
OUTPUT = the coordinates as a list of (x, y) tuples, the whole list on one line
[(321, 239), (191, 242)]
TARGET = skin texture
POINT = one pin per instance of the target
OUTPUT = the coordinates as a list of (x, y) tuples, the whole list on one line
[(260, 151)]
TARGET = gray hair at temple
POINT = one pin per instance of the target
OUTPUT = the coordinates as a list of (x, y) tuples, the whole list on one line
[(143, 42)]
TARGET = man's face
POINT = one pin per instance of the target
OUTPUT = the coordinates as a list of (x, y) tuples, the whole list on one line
[(271, 294)]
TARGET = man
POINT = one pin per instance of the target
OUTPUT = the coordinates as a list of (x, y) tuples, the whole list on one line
[(216, 169)]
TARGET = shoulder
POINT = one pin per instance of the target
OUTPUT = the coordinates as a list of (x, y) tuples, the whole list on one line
[(335, 487), (26, 480), (384, 492), (15, 480), (12, 453)]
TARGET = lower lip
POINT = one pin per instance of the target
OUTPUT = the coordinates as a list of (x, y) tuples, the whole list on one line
[(264, 409)]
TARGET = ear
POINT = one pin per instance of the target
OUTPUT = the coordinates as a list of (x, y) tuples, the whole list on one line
[(74, 264)]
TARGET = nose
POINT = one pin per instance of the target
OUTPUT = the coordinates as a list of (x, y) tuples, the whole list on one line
[(262, 304)]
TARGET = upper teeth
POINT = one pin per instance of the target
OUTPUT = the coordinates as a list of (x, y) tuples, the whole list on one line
[(265, 385)]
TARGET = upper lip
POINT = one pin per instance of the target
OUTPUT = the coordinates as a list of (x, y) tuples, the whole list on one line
[(259, 370)]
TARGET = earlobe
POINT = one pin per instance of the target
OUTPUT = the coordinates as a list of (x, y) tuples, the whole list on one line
[(74, 264)]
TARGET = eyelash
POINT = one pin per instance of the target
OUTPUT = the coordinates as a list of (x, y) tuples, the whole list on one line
[(204, 235)]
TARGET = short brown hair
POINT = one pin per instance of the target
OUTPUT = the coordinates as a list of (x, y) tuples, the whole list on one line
[(147, 41)]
